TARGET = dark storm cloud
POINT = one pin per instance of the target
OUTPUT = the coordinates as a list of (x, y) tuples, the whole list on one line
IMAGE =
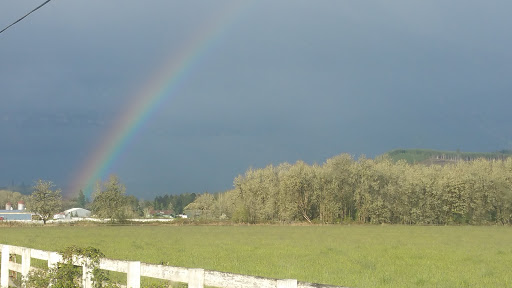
[(287, 80)]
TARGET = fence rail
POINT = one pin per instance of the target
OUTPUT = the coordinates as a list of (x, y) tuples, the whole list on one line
[(196, 278)]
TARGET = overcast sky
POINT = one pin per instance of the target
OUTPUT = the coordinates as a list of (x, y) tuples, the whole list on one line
[(283, 81)]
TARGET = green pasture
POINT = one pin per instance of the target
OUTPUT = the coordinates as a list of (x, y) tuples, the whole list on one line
[(354, 256)]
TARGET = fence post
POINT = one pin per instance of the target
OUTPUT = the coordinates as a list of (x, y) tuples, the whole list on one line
[(4, 275), (25, 262), (195, 278), (53, 259), (287, 283), (86, 273), (133, 275)]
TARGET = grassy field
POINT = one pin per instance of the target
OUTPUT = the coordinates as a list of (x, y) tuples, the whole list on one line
[(355, 256)]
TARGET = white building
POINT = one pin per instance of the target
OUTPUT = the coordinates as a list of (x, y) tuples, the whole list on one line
[(59, 216), (77, 212)]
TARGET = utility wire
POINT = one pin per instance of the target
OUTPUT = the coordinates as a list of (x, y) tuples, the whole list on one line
[(46, 2)]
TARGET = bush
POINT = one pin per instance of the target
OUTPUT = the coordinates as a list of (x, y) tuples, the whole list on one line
[(68, 275)]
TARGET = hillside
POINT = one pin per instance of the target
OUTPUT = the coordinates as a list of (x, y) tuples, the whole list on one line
[(427, 156)]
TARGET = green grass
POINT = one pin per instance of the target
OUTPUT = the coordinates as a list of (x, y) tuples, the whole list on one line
[(355, 256)]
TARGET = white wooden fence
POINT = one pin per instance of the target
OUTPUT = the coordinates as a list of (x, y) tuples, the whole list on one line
[(196, 278)]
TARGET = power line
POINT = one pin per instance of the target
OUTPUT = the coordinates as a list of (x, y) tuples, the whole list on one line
[(26, 15)]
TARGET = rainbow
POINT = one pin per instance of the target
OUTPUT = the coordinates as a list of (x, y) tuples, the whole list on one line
[(159, 88)]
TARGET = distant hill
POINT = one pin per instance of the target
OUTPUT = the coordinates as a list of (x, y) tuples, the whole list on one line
[(426, 156)]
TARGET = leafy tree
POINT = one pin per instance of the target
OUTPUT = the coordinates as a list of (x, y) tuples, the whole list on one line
[(133, 207), (204, 203), (10, 196), (336, 193), (81, 200), (110, 200), (300, 185), (44, 201), (225, 204)]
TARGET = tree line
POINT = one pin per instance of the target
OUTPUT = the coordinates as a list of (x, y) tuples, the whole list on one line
[(176, 203), (109, 200), (368, 191), (340, 190)]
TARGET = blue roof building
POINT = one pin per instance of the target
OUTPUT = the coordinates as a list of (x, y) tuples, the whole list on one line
[(15, 215)]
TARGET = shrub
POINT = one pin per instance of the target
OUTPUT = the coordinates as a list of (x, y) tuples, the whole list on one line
[(67, 274)]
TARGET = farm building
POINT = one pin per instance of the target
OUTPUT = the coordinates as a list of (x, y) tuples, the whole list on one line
[(73, 213), (160, 213), (19, 214), (15, 215), (77, 212), (58, 216)]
